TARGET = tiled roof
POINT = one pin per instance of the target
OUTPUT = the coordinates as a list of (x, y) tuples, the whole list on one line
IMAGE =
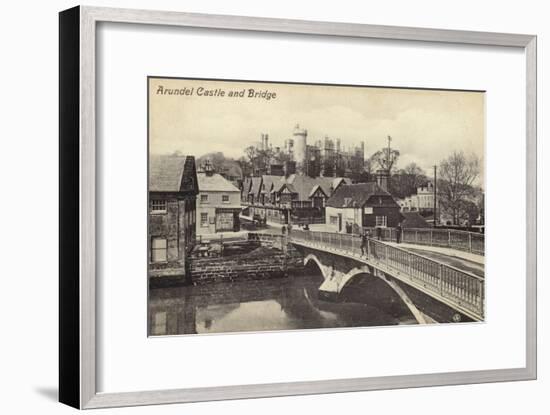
[(268, 181), (304, 185), (215, 183), (290, 188), (314, 189), (166, 172), (414, 220), (337, 180), (355, 194), (255, 186), (246, 185)]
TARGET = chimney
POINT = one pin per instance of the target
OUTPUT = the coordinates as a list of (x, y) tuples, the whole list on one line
[(208, 168), (382, 177)]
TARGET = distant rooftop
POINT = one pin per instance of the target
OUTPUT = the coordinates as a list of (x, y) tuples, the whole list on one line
[(215, 183), (304, 185), (355, 195)]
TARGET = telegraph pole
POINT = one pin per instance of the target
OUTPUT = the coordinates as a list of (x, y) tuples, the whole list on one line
[(435, 196), (389, 154)]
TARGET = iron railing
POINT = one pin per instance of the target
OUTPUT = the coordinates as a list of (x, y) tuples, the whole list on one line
[(460, 288), (268, 239), (446, 238)]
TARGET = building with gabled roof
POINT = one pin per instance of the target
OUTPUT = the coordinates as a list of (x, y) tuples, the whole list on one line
[(266, 193), (300, 191), (245, 189), (219, 203), (172, 213), (353, 207)]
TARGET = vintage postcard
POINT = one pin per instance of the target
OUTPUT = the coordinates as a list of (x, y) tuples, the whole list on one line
[(287, 206)]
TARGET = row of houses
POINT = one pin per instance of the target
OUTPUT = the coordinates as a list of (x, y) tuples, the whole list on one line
[(294, 197), (293, 191), (339, 204)]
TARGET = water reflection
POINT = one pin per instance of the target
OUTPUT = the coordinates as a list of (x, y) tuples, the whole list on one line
[(277, 304)]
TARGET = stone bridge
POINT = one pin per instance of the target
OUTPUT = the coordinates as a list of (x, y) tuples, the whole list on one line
[(427, 287)]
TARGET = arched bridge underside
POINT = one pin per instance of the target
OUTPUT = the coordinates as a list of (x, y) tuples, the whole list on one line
[(335, 281), (442, 292)]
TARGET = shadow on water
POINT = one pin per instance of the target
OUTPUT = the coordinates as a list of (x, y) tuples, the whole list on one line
[(273, 304)]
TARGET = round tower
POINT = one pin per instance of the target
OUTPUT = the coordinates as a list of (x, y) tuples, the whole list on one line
[(300, 148)]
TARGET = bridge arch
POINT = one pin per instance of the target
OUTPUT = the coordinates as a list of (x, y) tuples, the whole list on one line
[(313, 258), (418, 315)]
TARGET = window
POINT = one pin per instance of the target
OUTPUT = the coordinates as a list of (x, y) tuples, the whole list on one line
[(158, 250), (158, 206), (347, 201), (225, 198), (381, 221), (204, 198), (204, 219)]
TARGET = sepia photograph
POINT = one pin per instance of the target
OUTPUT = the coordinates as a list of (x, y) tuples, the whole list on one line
[(292, 206)]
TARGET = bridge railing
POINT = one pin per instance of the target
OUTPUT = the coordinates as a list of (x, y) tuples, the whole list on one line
[(345, 241), (460, 287), (269, 239), (446, 238), (449, 282)]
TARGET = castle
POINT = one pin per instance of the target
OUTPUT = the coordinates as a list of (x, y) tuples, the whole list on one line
[(326, 157)]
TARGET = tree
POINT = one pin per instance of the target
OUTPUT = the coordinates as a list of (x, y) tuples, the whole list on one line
[(369, 166), (226, 166), (386, 158), (457, 174), (251, 156), (259, 159), (469, 212), (265, 156), (245, 165), (405, 182)]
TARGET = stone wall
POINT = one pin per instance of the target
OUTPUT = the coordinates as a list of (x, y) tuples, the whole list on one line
[(263, 263), (177, 226)]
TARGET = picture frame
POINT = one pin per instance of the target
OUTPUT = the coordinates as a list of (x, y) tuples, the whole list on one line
[(78, 164)]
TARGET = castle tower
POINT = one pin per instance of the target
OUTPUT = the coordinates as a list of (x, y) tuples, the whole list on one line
[(264, 142), (300, 149)]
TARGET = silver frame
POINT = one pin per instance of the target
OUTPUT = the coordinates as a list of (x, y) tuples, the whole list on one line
[(89, 17)]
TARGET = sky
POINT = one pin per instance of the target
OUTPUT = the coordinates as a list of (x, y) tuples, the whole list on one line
[(425, 125)]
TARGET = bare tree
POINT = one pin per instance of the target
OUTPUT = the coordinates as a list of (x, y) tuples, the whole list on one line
[(457, 174), (386, 158), (259, 159)]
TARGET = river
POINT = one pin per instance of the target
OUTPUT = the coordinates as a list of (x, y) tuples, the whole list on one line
[(275, 304)]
